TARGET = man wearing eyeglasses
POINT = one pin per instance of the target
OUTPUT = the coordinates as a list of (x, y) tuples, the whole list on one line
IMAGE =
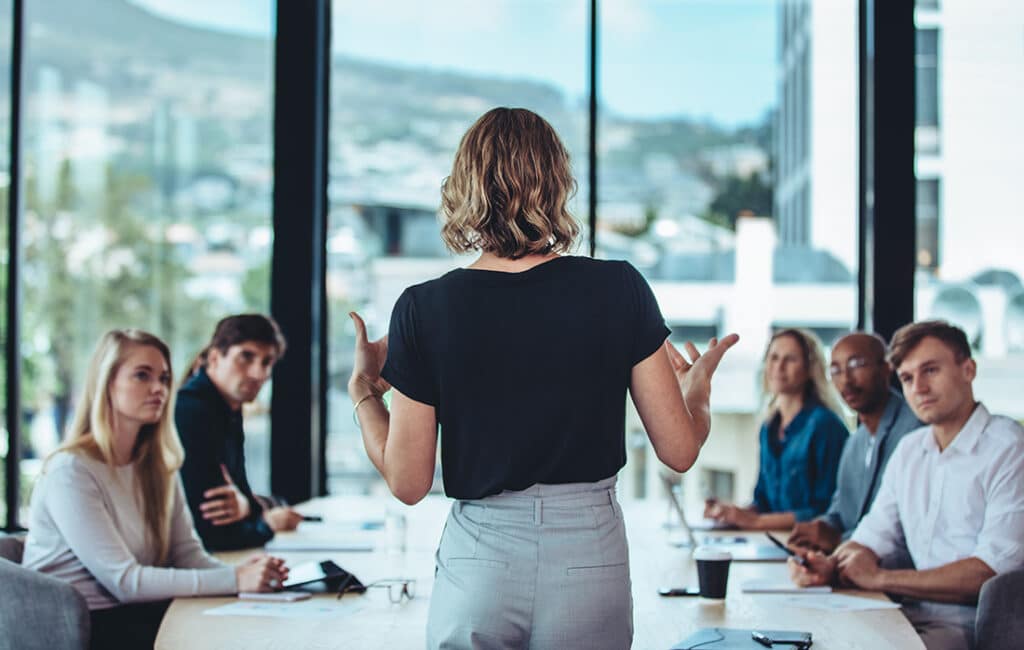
[(861, 375)]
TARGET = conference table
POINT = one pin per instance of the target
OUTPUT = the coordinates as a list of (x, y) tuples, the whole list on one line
[(371, 620)]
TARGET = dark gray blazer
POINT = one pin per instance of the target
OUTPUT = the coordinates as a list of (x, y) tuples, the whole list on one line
[(858, 482)]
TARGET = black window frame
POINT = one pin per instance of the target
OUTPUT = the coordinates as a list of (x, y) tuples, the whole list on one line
[(886, 216)]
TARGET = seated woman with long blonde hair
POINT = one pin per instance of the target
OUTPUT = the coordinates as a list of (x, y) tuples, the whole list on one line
[(108, 512)]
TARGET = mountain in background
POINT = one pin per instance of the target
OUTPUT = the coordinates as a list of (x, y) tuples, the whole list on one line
[(393, 128)]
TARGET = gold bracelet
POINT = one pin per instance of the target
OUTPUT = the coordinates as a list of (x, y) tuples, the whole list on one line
[(355, 417)]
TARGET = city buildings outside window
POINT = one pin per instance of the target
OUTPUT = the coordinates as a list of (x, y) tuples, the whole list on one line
[(970, 199)]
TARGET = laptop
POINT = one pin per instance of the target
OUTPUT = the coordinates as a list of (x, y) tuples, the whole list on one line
[(739, 546)]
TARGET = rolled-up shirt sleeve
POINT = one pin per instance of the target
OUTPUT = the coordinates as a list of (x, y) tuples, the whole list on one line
[(1001, 541), (881, 529)]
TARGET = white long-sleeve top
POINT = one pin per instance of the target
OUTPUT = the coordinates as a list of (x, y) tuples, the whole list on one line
[(87, 527), (964, 501)]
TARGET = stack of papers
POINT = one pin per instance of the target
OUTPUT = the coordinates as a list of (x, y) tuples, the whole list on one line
[(317, 608), (834, 602), (344, 537), (781, 587), (297, 543)]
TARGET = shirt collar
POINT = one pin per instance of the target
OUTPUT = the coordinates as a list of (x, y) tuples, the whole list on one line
[(967, 438)]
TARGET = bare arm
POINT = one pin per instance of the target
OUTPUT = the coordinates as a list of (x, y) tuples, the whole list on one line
[(956, 582), (670, 425), (748, 518), (402, 445), (774, 521), (672, 396)]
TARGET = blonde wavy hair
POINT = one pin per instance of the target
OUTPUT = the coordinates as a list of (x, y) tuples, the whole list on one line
[(508, 190), (157, 454), (818, 388)]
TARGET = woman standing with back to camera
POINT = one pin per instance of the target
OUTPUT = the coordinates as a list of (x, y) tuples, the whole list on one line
[(524, 359)]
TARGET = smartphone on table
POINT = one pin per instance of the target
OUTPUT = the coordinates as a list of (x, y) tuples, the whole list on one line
[(678, 591)]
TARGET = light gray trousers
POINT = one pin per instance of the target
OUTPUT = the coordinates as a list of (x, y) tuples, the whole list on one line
[(546, 567), (942, 626)]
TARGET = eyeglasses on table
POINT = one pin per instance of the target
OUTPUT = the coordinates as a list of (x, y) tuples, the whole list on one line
[(399, 589)]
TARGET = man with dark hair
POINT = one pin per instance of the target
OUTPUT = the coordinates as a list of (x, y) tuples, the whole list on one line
[(228, 373), (952, 493), (860, 374)]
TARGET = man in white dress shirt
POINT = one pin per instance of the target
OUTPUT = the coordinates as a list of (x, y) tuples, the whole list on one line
[(953, 493)]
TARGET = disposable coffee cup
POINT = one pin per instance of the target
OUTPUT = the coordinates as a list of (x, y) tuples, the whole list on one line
[(712, 571)]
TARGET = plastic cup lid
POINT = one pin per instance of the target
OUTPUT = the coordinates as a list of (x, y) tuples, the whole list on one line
[(711, 553)]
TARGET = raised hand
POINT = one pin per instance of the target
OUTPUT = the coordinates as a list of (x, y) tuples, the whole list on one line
[(694, 374), (369, 360), (225, 504)]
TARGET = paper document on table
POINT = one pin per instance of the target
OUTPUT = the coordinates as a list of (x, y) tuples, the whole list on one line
[(836, 602), (325, 544), (324, 537), (318, 608), (781, 587), (339, 525)]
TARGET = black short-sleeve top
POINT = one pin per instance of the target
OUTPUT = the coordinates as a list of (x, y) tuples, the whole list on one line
[(527, 371)]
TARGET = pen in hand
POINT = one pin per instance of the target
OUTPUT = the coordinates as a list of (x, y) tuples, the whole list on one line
[(799, 559)]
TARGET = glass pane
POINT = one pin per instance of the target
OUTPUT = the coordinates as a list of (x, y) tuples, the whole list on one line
[(148, 176), (733, 188), (6, 24), (928, 224), (408, 79), (927, 89), (970, 198)]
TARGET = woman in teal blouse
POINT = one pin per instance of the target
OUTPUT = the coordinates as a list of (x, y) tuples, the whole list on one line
[(801, 439)]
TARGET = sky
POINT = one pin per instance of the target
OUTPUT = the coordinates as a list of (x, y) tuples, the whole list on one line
[(707, 59)]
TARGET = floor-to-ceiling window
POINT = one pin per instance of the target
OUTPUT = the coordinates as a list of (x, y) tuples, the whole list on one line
[(147, 150), (147, 180), (5, 183), (970, 202), (408, 78), (728, 176)]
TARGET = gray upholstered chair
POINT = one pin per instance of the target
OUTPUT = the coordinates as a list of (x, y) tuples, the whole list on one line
[(37, 610), (1000, 622), (12, 547)]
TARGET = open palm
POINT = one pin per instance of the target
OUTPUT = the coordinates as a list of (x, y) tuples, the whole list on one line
[(694, 374)]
